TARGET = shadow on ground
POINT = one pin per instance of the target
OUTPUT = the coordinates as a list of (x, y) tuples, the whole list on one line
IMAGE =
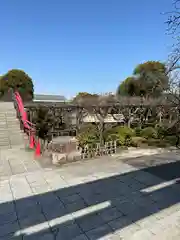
[(94, 209)]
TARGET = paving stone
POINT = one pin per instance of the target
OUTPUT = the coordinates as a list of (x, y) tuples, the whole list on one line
[(47, 199), (93, 199), (18, 169), (110, 214), (137, 186), (5, 189), (54, 212), (35, 177), (6, 197), (11, 237), (26, 202), (70, 199), (138, 213), (31, 220), (128, 231), (119, 184), (81, 237), (99, 232), (120, 223), (120, 199), (39, 236), (148, 222), (143, 234), (68, 231), (40, 183), (41, 189), (64, 192), (76, 206), (6, 229), (166, 231), (25, 211), (89, 222), (31, 167), (147, 179), (127, 207), (8, 218), (54, 223), (143, 201), (7, 207)]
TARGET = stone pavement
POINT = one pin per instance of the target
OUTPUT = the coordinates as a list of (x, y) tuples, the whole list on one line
[(16, 161), (97, 199)]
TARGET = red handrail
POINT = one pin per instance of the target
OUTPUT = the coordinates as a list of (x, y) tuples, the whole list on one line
[(28, 126)]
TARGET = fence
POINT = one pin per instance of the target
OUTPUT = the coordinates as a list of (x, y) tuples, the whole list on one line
[(68, 152), (90, 151)]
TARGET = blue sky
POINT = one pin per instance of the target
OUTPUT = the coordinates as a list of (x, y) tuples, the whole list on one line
[(68, 46)]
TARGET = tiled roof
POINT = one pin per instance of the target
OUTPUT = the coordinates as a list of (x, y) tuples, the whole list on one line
[(44, 97), (108, 119)]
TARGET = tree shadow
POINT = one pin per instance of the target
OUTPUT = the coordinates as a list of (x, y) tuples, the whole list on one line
[(94, 209)]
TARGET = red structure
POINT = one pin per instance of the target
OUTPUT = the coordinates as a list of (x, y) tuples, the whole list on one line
[(29, 127)]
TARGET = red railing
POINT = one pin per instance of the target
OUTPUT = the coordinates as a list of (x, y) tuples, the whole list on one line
[(28, 127)]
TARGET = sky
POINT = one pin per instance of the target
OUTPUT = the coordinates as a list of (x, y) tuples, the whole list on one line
[(70, 46)]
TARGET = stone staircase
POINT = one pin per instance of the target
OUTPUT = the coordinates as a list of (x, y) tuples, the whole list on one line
[(15, 158), (10, 134)]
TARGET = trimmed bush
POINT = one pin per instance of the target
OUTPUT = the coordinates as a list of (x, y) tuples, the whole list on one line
[(138, 131), (88, 135), (153, 142), (122, 134), (17, 80), (138, 141), (125, 135), (157, 143), (125, 131), (149, 132), (87, 138), (171, 140), (161, 131)]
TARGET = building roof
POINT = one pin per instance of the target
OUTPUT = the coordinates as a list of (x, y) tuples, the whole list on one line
[(49, 98), (110, 118)]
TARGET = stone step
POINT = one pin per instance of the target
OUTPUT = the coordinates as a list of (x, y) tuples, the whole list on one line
[(5, 116), (8, 114), (10, 131), (11, 136), (15, 136), (5, 145), (13, 124), (8, 137), (13, 119), (15, 127), (6, 119), (5, 126), (3, 140), (11, 142)]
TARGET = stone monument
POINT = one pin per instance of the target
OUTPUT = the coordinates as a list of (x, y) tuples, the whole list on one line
[(64, 150)]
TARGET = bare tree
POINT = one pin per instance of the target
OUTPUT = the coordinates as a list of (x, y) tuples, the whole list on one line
[(173, 21), (173, 29)]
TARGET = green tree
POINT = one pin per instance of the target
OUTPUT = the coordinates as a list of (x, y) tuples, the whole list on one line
[(128, 87), (149, 79), (44, 121), (84, 96), (152, 78), (17, 80)]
